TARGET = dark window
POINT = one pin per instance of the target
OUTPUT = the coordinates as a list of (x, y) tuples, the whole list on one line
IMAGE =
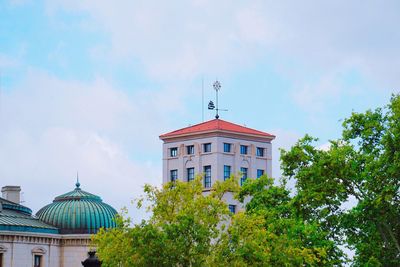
[(207, 176), (232, 208), (190, 174), (243, 150), (174, 175), (260, 152), (190, 150), (207, 147), (37, 262), (260, 173), (227, 172), (227, 147), (173, 152), (244, 175)]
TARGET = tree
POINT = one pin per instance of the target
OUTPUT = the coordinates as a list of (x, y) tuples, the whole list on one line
[(270, 232), (363, 168), (189, 228), (183, 230)]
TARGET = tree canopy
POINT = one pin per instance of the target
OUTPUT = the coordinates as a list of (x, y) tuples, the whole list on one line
[(360, 170), (346, 195), (190, 228)]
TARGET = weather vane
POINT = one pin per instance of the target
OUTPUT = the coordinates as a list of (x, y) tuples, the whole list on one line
[(211, 106)]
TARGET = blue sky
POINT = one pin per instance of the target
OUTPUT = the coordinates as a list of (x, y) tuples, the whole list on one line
[(89, 85)]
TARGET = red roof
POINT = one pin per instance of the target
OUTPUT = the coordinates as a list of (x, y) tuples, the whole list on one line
[(216, 125)]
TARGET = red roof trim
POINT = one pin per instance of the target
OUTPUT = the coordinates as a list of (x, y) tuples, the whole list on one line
[(216, 125)]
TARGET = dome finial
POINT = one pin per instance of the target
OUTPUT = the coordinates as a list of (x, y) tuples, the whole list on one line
[(77, 180)]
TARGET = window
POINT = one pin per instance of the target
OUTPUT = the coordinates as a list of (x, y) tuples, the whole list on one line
[(232, 208), (244, 175), (190, 150), (173, 152), (207, 147), (174, 175), (227, 172), (1, 259), (260, 173), (37, 261), (243, 150), (190, 174), (260, 152), (207, 176), (227, 147)]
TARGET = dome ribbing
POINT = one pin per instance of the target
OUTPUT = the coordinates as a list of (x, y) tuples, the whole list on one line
[(78, 212)]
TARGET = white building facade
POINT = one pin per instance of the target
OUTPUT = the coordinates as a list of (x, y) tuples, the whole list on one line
[(59, 235), (216, 149)]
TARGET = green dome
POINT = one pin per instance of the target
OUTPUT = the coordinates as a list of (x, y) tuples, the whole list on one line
[(78, 212)]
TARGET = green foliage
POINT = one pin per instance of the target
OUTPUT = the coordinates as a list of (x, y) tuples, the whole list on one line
[(363, 166), (280, 228), (183, 230), (270, 233)]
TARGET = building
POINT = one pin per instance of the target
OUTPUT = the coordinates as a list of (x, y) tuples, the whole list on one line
[(217, 149), (57, 236)]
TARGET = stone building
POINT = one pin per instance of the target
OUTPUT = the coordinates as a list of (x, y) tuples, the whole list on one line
[(57, 236), (216, 149)]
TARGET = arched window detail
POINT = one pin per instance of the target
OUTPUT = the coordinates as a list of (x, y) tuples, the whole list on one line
[(37, 256)]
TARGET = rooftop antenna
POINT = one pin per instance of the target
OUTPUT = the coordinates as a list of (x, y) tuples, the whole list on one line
[(202, 99), (211, 106)]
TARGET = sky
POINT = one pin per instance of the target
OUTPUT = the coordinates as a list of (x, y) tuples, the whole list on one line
[(88, 86)]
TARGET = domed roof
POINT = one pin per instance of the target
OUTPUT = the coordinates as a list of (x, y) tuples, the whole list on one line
[(78, 212)]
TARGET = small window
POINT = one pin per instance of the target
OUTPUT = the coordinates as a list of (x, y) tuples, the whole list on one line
[(207, 176), (232, 208), (260, 173), (190, 150), (174, 175), (207, 147), (173, 152), (227, 147), (37, 261), (244, 175), (227, 172), (243, 150), (260, 152), (190, 174)]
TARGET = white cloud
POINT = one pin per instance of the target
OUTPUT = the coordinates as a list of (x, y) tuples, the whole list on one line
[(179, 40), (176, 40), (51, 128)]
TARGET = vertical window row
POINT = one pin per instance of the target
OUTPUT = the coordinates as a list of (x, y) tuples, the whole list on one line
[(260, 152), (190, 150), (190, 174), (227, 147), (244, 175), (243, 149), (173, 175), (206, 147), (37, 261), (173, 152), (207, 176), (227, 172)]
